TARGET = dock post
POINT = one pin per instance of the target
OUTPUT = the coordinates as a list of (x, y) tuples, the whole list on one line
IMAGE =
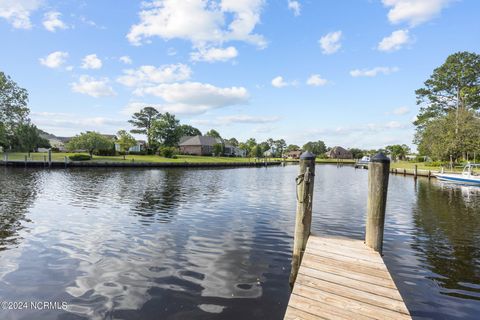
[(44, 161), (303, 219), (49, 158), (26, 161), (429, 174), (5, 158), (377, 200), (66, 161), (415, 172)]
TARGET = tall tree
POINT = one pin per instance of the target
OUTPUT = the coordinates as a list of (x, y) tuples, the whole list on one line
[(280, 146), (143, 121), (165, 130), (440, 141), (455, 85), (316, 147), (90, 141), (125, 141), (13, 107), (292, 147), (232, 141), (27, 138), (213, 133), (188, 130), (3, 136), (397, 151)]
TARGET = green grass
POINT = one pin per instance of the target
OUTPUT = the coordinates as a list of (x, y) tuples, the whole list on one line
[(137, 158), (423, 166)]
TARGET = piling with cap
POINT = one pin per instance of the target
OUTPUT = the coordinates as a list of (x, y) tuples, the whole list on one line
[(377, 199), (303, 219)]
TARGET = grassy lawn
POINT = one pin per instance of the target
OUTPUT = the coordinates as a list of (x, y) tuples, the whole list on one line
[(422, 166), (137, 158)]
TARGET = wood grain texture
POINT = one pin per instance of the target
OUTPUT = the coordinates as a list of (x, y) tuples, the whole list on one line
[(344, 279)]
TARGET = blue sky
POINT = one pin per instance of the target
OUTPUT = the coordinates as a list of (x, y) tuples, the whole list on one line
[(339, 71)]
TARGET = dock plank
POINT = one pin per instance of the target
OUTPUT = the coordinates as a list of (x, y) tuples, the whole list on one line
[(344, 279)]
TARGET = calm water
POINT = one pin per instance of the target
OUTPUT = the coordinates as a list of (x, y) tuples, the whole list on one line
[(216, 244)]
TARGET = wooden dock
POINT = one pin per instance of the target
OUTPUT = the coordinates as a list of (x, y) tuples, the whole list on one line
[(342, 278)]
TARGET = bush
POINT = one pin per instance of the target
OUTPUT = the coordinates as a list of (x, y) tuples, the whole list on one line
[(105, 152), (79, 157), (55, 149), (167, 152), (137, 153)]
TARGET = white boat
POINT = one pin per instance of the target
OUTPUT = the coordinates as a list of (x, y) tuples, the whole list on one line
[(363, 163), (468, 176)]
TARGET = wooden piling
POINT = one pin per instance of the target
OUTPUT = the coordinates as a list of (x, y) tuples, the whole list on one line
[(377, 200), (49, 158), (26, 161), (415, 172), (303, 220), (429, 174)]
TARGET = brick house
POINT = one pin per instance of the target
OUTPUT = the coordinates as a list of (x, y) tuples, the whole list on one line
[(203, 146), (339, 153)]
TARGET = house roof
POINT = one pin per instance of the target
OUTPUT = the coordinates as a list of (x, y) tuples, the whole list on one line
[(199, 141)]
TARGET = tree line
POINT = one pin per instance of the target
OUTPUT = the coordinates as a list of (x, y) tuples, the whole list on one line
[(17, 132), (448, 124)]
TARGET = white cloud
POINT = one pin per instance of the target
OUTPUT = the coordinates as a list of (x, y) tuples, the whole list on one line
[(401, 111), (295, 7), (125, 59), (91, 61), (51, 21), (195, 97), (330, 43), (279, 82), (93, 87), (17, 12), (316, 80), (214, 54), (150, 75), (395, 41), (373, 72), (55, 59), (236, 119), (414, 12), (199, 21)]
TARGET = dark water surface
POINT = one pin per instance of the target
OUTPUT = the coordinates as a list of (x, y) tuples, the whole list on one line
[(216, 244)]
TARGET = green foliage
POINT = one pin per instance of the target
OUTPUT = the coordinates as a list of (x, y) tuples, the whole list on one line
[(27, 138), (258, 151), (143, 121), (187, 130), (167, 152), (232, 142), (280, 146), (90, 141), (217, 149), (125, 141), (213, 133), (316, 147), (3, 136), (455, 84), (398, 152), (357, 153), (292, 147), (79, 157), (441, 137), (165, 130)]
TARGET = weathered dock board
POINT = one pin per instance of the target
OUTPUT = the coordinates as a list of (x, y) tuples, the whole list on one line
[(341, 278)]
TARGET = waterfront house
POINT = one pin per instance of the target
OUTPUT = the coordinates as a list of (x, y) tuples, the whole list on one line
[(204, 146), (139, 147), (339, 153), (293, 154)]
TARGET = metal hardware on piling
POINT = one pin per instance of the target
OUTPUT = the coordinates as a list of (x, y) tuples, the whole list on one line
[(303, 218), (377, 200)]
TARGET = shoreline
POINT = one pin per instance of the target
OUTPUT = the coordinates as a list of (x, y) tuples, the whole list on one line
[(130, 164)]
